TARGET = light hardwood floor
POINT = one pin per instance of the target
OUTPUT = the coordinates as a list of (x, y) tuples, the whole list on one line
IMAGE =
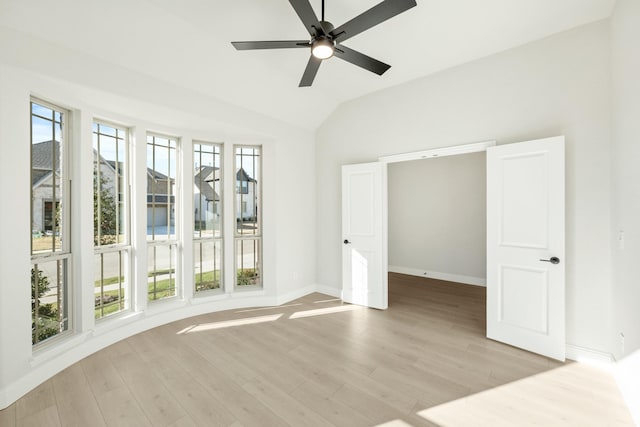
[(314, 361)]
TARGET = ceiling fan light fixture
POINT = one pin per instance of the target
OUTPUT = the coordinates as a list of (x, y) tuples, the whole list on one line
[(322, 48)]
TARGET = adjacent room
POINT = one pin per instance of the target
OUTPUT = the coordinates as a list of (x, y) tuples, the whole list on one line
[(312, 212)]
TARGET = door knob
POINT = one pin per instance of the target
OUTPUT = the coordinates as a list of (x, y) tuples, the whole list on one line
[(346, 242), (552, 260)]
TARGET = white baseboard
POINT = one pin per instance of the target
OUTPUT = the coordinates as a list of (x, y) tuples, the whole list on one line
[(298, 293), (583, 354), (469, 280), (329, 290)]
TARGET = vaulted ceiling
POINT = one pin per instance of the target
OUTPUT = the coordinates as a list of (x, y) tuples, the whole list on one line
[(187, 43)]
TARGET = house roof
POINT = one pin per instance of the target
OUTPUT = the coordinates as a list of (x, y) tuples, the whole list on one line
[(242, 175), (204, 179), (156, 175), (41, 155), (39, 175)]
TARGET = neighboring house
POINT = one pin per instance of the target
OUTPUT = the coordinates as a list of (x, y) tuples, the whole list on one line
[(246, 200), (42, 205), (206, 198), (42, 182), (160, 191), (161, 194), (160, 188), (206, 201)]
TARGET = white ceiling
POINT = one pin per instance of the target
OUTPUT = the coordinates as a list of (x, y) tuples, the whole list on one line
[(187, 42)]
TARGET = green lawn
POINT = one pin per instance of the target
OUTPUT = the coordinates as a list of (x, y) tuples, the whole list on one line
[(167, 287), (161, 289), (208, 280)]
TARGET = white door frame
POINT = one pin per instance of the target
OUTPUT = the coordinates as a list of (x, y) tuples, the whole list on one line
[(452, 150), (438, 152), (419, 155)]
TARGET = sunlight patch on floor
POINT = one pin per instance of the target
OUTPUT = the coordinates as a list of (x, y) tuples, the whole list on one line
[(277, 307), (576, 394), (328, 310), (327, 300), (395, 423), (230, 323)]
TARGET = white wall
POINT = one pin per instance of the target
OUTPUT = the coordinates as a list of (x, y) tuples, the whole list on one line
[(626, 170), (556, 86), (625, 26), (91, 88), (437, 217)]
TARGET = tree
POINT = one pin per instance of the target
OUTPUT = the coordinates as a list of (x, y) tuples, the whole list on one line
[(46, 319), (104, 212), (39, 286)]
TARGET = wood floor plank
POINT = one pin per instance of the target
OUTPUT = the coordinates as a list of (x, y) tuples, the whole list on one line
[(283, 405), (316, 361), (8, 416), (39, 399), (334, 411), (47, 417), (76, 403), (202, 407), (120, 408), (154, 398), (101, 375)]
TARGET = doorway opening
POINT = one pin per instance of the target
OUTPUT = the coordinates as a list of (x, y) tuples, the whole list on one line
[(437, 237), (437, 216)]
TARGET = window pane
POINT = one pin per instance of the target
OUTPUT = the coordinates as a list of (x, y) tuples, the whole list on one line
[(162, 271), (207, 190), (208, 265), (110, 289), (248, 262), (161, 180), (49, 311), (109, 185), (248, 164), (47, 172)]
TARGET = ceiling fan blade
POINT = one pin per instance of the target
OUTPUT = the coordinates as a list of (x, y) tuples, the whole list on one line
[(361, 60), (276, 44), (307, 15), (372, 17), (310, 71)]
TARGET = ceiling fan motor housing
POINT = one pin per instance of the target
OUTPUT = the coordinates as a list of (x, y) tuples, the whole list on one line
[(326, 28)]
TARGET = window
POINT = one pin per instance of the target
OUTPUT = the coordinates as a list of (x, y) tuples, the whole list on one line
[(50, 236), (248, 212), (111, 215), (162, 244), (207, 204)]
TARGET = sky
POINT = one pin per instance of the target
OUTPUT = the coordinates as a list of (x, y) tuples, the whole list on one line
[(165, 158)]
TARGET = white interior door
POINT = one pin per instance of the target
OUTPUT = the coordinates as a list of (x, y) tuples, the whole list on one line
[(525, 246), (364, 234)]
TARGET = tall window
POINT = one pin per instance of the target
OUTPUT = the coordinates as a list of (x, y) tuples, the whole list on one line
[(207, 216), (162, 244), (248, 210), (111, 219), (50, 236)]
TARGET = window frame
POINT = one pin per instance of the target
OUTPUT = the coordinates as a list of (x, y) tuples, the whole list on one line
[(239, 239), (198, 241), (173, 244), (64, 254), (123, 249)]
